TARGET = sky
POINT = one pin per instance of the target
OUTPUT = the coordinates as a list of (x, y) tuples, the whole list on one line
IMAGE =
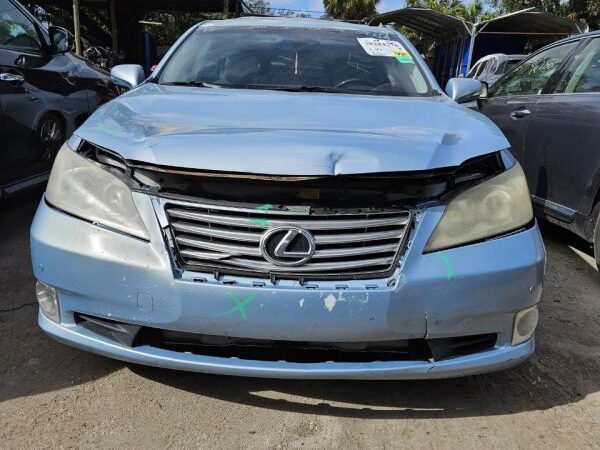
[(316, 6)]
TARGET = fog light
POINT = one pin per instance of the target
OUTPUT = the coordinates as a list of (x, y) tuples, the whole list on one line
[(48, 299), (525, 323)]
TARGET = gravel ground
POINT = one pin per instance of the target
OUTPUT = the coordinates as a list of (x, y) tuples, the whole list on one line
[(55, 396)]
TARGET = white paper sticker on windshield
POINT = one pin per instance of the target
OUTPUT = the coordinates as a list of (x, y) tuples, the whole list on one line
[(383, 47)]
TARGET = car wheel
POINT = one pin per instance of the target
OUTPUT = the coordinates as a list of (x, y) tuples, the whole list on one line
[(50, 136)]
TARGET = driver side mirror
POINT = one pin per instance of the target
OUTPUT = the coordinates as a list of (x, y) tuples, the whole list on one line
[(465, 90), (62, 40), (131, 74)]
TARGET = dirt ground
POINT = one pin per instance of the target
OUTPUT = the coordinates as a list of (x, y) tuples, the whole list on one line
[(55, 396)]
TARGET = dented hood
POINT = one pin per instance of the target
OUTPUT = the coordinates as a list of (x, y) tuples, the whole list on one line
[(285, 133)]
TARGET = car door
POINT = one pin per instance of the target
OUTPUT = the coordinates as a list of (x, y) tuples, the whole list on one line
[(562, 155), (19, 41), (2, 140), (513, 99)]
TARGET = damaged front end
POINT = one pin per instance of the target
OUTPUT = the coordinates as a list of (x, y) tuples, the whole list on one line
[(329, 276), (219, 223)]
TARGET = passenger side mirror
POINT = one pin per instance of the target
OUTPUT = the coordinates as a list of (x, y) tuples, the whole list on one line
[(130, 74), (465, 90), (62, 40)]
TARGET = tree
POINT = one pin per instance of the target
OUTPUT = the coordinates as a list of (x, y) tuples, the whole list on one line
[(473, 12), (262, 7), (587, 11), (350, 9)]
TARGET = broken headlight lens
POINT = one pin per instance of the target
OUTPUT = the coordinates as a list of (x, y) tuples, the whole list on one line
[(84, 189), (493, 207)]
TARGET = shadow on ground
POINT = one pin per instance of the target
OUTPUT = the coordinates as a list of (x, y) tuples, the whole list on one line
[(563, 370)]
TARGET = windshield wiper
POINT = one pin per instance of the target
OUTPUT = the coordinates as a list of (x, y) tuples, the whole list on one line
[(191, 83), (330, 90), (293, 88)]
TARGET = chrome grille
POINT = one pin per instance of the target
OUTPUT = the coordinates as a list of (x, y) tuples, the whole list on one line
[(361, 243)]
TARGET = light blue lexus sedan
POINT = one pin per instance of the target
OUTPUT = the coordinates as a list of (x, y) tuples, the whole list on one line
[(291, 198)]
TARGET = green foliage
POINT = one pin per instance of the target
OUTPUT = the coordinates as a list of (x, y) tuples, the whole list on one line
[(586, 11), (350, 9), (174, 24), (259, 6), (472, 12)]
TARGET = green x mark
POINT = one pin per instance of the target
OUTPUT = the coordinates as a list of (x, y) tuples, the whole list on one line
[(239, 305)]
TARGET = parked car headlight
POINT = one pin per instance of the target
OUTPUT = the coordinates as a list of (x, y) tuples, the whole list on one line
[(493, 207), (84, 189)]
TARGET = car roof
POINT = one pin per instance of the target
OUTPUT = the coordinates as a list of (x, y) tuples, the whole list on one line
[(577, 37), (294, 22)]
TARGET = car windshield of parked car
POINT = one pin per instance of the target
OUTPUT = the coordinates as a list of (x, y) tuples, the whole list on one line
[(297, 59)]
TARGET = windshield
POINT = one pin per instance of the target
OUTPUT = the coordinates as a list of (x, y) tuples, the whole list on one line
[(312, 59)]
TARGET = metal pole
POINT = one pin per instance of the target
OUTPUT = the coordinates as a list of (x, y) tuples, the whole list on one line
[(76, 27), (113, 24), (226, 7), (471, 46)]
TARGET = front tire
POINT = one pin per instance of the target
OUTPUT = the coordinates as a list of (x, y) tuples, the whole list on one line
[(50, 136)]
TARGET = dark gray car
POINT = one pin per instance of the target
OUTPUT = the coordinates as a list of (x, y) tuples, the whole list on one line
[(549, 109), (45, 93)]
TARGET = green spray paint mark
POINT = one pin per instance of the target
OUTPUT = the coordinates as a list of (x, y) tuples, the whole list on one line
[(448, 265), (264, 207), (110, 129), (263, 223), (239, 305)]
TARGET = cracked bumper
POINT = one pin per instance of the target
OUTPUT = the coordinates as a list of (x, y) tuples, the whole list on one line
[(469, 290)]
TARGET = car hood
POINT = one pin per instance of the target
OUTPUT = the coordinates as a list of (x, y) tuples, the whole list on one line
[(285, 133)]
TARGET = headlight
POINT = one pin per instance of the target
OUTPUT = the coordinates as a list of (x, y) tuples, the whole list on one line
[(84, 189), (493, 207)]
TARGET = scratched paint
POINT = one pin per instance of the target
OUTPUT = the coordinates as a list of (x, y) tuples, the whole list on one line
[(264, 207), (330, 302), (448, 264)]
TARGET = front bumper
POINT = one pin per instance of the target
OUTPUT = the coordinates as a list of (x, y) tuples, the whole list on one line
[(470, 290)]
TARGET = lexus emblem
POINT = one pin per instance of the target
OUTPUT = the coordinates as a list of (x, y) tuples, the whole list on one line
[(287, 246)]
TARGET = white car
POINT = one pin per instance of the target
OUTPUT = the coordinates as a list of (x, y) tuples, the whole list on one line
[(491, 67)]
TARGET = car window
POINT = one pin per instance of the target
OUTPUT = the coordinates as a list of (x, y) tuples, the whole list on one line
[(346, 61), (584, 75), (491, 66), (532, 75), (16, 30), (510, 64)]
